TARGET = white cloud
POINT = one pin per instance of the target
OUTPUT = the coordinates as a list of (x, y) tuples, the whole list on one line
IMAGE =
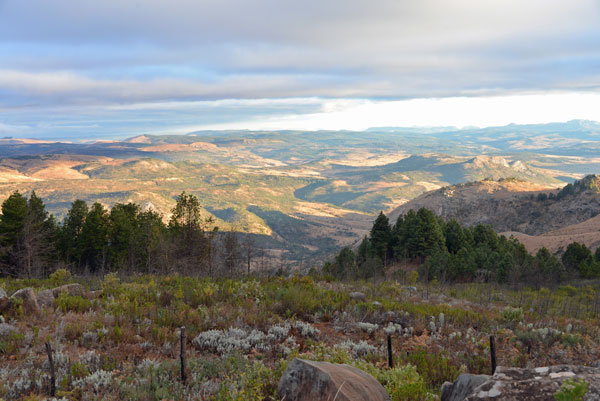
[(456, 111)]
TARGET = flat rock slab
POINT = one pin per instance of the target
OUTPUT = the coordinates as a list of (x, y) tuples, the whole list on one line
[(323, 381), (536, 384)]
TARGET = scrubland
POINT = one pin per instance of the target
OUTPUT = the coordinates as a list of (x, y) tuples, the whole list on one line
[(121, 339)]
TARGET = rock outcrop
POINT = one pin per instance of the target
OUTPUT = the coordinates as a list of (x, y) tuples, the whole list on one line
[(462, 387), (321, 381), (30, 304), (71, 289), (3, 300), (45, 298), (515, 384)]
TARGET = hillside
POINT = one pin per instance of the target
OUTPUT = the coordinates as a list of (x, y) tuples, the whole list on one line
[(536, 215), (329, 185)]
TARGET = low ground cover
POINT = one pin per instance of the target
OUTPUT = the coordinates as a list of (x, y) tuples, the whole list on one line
[(120, 340)]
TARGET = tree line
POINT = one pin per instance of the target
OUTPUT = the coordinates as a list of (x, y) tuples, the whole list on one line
[(446, 251), (93, 239)]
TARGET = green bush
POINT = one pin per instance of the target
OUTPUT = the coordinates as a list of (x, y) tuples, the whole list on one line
[(434, 368), (404, 383), (72, 303), (512, 316), (60, 277), (572, 390)]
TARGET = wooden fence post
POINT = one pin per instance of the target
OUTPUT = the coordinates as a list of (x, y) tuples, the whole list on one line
[(390, 354), (493, 353), (52, 373), (182, 353)]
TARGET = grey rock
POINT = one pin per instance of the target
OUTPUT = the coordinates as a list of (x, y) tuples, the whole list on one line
[(462, 387), (6, 329), (359, 296), (71, 289), (321, 381), (513, 384), (3, 300), (45, 298), (30, 304), (533, 384)]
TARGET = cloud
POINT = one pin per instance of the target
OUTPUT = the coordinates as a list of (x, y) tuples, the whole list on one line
[(100, 66), (390, 48)]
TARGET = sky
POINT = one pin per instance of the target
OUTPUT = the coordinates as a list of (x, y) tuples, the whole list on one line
[(81, 69)]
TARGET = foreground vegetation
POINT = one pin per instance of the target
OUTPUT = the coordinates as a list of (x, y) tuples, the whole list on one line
[(121, 340)]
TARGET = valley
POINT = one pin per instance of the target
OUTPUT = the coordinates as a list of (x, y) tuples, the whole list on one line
[(326, 185)]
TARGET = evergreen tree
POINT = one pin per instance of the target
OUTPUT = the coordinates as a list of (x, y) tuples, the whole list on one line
[(408, 234), (429, 236), (14, 212), (186, 227), (95, 239), (123, 235), (547, 267), (27, 235), (380, 237), (150, 238), (575, 255), (70, 246), (455, 236), (345, 264)]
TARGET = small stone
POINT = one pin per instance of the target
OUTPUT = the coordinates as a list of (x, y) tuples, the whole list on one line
[(359, 296)]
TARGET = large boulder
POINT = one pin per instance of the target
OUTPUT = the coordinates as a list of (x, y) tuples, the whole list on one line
[(30, 304), (535, 384), (462, 387), (321, 381), (71, 289), (45, 298)]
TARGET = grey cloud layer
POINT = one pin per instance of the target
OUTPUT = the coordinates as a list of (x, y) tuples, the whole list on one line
[(114, 50), (119, 67)]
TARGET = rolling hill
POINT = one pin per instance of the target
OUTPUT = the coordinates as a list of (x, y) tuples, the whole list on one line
[(538, 216), (310, 192)]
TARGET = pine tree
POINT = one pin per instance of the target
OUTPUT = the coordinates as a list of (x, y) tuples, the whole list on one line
[(70, 247), (27, 235), (94, 238), (429, 236), (380, 237), (455, 236)]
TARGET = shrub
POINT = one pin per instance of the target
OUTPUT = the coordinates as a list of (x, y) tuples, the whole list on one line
[(572, 390), (512, 316), (404, 383), (434, 368), (60, 277), (72, 303)]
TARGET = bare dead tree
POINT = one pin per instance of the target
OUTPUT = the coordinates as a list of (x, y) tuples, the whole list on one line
[(248, 248)]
